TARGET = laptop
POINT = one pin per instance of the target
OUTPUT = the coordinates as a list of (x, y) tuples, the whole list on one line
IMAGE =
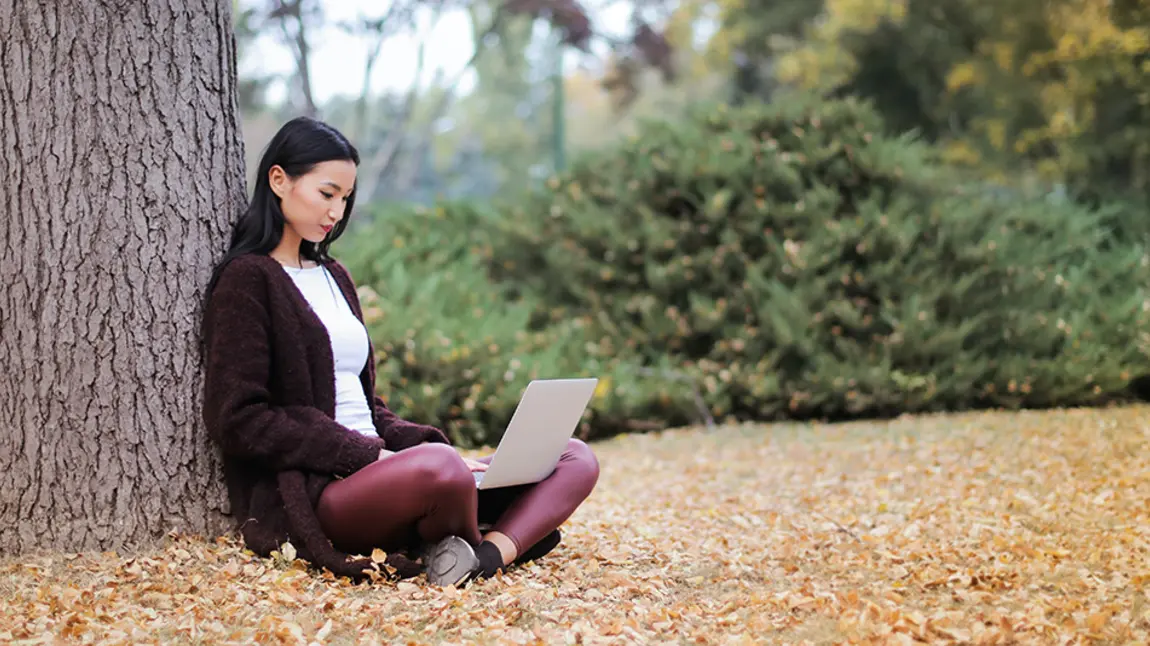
[(537, 435)]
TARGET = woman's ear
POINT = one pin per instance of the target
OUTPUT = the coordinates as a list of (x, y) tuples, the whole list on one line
[(279, 181)]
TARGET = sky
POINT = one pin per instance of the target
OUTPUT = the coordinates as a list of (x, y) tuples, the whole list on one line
[(337, 60)]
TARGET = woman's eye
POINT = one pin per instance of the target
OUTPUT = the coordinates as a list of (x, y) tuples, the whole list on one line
[(327, 195)]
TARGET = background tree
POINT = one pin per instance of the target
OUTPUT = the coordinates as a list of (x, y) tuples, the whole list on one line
[(437, 136), (124, 163), (749, 33), (1058, 91)]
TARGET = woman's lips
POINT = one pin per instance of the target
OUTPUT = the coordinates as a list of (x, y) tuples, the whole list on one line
[(327, 228)]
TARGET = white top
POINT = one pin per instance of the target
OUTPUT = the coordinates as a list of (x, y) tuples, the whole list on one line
[(348, 344)]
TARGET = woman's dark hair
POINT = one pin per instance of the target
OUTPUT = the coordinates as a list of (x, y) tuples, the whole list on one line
[(298, 147)]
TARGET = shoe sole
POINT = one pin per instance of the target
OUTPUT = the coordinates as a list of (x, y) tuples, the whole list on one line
[(450, 561)]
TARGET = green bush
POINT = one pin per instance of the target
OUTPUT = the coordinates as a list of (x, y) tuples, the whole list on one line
[(800, 263), (452, 349)]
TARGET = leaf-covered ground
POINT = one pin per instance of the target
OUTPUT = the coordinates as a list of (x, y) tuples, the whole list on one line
[(980, 528)]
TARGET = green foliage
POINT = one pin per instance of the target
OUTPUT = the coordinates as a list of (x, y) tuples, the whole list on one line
[(744, 44), (799, 262), (1057, 88), (453, 349)]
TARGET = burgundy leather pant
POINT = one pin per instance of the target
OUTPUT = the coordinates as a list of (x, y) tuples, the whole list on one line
[(427, 492)]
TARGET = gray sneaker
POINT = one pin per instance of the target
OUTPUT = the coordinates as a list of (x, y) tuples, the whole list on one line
[(451, 561)]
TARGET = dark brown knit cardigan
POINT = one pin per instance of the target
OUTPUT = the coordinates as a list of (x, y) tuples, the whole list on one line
[(269, 404)]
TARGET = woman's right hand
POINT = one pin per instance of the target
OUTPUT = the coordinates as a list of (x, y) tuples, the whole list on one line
[(474, 465)]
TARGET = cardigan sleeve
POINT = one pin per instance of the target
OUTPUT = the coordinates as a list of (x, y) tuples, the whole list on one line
[(237, 402), (400, 434)]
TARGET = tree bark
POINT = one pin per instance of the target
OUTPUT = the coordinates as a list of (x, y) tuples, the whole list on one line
[(121, 149)]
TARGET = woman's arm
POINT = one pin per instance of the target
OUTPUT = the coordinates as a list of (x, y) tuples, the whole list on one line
[(237, 402), (400, 434)]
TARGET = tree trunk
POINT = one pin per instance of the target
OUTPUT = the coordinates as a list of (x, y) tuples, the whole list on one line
[(120, 146)]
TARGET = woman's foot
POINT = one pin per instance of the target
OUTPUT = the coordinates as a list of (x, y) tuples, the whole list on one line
[(540, 549), (491, 559), (451, 561)]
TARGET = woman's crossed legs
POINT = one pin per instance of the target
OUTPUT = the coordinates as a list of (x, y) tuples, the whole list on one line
[(426, 493)]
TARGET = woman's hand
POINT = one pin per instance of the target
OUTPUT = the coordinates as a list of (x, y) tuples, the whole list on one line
[(474, 465)]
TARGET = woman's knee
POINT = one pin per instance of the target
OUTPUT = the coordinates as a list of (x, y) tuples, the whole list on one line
[(439, 466), (581, 460)]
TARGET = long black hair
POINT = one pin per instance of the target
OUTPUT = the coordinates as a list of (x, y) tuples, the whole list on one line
[(298, 147)]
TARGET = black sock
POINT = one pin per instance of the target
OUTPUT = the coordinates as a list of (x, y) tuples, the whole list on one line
[(490, 559), (540, 549)]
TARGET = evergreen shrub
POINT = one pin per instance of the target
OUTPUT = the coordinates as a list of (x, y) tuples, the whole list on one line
[(453, 349), (798, 262)]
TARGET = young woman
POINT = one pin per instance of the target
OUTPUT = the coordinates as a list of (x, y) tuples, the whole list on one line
[(311, 454)]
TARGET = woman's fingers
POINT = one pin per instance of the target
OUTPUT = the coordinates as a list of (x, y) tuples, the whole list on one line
[(474, 465)]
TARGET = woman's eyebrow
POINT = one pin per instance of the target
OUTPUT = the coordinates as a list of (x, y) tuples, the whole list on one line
[(338, 189)]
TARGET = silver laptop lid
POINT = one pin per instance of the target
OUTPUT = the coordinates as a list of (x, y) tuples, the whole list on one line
[(546, 417)]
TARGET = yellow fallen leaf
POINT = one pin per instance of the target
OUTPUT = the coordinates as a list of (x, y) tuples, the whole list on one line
[(288, 551), (1097, 621), (323, 632)]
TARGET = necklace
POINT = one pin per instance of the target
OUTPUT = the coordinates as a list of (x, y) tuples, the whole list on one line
[(298, 266), (326, 277)]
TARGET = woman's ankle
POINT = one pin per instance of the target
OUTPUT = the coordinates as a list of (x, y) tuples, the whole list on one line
[(507, 548), (490, 560)]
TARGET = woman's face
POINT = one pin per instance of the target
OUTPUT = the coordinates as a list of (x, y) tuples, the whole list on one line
[(313, 203)]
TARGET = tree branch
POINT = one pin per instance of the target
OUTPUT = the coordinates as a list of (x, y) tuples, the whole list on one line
[(381, 162), (377, 30), (294, 9)]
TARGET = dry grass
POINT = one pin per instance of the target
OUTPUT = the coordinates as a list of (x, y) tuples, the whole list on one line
[(980, 528)]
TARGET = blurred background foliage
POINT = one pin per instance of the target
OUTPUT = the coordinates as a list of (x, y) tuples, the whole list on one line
[(732, 209)]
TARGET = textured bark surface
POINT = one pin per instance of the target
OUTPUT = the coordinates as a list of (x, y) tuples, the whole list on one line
[(121, 155)]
